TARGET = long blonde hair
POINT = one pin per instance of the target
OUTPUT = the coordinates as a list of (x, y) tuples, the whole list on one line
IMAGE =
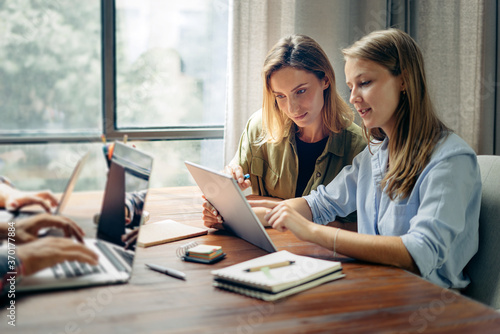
[(417, 129), (302, 53)]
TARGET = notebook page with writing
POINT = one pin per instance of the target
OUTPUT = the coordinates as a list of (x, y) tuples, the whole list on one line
[(304, 269)]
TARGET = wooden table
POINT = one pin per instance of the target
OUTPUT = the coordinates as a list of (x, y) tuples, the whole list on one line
[(370, 299)]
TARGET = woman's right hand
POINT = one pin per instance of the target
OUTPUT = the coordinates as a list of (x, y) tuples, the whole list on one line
[(237, 173), (211, 217)]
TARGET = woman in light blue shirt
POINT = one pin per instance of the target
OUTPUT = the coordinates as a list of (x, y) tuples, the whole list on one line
[(416, 187)]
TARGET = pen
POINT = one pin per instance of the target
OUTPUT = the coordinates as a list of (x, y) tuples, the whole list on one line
[(246, 176), (270, 266), (167, 271)]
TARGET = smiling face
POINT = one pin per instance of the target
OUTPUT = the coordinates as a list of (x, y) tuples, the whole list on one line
[(375, 93), (299, 95)]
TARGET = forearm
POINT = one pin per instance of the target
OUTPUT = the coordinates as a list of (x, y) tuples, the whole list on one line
[(4, 192), (388, 250), (300, 205), (4, 230)]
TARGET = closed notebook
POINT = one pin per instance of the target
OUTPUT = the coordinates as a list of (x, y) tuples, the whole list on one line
[(166, 231), (272, 296), (304, 273)]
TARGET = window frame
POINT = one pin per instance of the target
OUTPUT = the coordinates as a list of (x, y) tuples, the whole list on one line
[(109, 126)]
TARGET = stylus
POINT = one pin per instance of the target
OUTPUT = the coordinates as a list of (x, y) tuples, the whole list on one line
[(167, 271)]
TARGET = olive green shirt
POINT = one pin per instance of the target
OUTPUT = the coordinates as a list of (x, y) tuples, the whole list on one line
[(274, 168)]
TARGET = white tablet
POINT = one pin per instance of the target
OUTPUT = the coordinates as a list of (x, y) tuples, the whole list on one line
[(223, 192)]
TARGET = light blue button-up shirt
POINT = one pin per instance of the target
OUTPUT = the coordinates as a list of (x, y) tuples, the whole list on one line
[(438, 222)]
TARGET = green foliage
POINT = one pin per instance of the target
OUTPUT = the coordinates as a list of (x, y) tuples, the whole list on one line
[(50, 65)]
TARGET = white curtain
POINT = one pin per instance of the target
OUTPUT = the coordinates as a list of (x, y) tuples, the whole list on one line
[(256, 25), (457, 37)]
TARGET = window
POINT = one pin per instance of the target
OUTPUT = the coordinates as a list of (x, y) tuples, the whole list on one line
[(51, 68), (170, 63), (71, 71)]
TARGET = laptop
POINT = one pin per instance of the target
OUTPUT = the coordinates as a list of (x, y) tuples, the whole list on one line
[(70, 185), (129, 172), (223, 192)]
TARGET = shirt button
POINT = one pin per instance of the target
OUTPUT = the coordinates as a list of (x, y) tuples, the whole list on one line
[(318, 174)]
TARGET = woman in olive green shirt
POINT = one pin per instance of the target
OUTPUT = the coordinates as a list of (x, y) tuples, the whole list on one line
[(304, 134)]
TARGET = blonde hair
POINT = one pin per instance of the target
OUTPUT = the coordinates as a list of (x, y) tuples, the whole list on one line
[(302, 53), (417, 129)]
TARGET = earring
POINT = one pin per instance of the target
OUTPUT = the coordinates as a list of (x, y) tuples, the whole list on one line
[(404, 92)]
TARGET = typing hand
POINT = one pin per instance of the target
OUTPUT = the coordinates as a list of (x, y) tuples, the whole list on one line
[(47, 252), (27, 229), (13, 199)]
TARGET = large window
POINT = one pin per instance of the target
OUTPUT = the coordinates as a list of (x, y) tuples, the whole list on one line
[(50, 68), (70, 71), (171, 61)]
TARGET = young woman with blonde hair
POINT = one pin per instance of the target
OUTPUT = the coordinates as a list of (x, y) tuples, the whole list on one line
[(303, 136), (416, 187)]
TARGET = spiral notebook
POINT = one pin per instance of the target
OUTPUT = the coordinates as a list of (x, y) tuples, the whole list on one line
[(270, 283)]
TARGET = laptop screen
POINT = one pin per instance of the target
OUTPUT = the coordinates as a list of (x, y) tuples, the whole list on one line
[(125, 194)]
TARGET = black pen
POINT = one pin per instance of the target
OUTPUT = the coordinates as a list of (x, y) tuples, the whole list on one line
[(167, 271)]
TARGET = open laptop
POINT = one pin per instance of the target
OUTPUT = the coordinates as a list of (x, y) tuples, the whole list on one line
[(129, 171), (70, 185), (223, 192)]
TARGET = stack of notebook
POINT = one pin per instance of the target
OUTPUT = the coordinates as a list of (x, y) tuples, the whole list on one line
[(276, 275), (204, 254)]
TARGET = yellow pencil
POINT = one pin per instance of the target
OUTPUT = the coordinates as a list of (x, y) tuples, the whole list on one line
[(271, 266)]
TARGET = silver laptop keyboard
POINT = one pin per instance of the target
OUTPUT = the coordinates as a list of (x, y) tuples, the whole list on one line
[(112, 258), (74, 269)]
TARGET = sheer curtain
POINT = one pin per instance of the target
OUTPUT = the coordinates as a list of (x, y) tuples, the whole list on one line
[(458, 39), (256, 25), (253, 28)]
